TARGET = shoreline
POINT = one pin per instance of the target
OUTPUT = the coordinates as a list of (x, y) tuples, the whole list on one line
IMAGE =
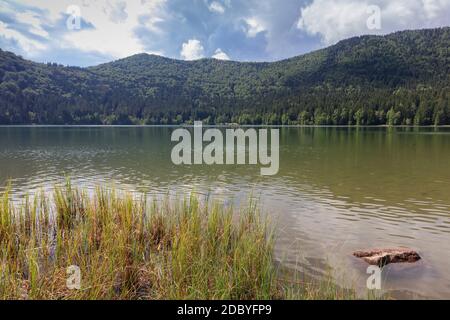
[(215, 126)]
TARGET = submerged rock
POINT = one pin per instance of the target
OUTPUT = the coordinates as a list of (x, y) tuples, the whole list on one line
[(382, 257)]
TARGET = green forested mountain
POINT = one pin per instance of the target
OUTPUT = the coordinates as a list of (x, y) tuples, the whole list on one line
[(402, 78)]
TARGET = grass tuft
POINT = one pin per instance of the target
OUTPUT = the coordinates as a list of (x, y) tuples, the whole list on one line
[(129, 248)]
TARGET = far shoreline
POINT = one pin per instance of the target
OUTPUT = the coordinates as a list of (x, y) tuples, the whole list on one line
[(211, 126)]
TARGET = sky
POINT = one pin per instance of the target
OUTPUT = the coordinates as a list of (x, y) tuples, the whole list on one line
[(89, 32)]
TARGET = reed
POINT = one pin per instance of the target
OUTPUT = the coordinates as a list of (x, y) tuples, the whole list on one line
[(128, 247)]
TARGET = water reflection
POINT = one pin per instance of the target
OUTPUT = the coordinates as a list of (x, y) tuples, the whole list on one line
[(338, 189)]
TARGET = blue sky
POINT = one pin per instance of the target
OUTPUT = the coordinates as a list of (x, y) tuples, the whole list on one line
[(244, 30)]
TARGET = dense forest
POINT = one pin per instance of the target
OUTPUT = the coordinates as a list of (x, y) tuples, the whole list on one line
[(399, 79)]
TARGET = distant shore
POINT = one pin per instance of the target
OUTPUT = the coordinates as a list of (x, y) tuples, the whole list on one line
[(209, 126)]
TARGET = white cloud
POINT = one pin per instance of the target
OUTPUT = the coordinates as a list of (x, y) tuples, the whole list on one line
[(192, 50), (117, 11), (24, 42), (151, 24), (5, 7), (114, 24), (254, 26), (33, 20), (216, 7), (220, 55), (114, 27), (334, 20)]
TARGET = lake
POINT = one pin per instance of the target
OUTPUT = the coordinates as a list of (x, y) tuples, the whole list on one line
[(337, 190)]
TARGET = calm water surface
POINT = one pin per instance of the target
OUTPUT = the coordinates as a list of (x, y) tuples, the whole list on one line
[(338, 190)]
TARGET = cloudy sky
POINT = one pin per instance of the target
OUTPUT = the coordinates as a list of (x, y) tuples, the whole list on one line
[(88, 32)]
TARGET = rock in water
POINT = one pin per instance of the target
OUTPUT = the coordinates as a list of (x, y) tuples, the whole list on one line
[(382, 257)]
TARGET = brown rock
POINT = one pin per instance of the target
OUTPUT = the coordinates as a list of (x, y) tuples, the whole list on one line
[(382, 257)]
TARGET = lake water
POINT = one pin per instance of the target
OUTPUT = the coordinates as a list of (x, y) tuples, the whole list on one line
[(337, 190)]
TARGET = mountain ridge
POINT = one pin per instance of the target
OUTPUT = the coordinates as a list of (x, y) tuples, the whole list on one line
[(358, 37), (347, 83)]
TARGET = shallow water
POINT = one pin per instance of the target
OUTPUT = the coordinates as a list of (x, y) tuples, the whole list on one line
[(337, 190)]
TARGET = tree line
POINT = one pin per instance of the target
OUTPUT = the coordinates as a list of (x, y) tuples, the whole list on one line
[(399, 79)]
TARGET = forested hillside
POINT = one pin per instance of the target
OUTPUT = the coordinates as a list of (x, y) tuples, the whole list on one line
[(402, 78)]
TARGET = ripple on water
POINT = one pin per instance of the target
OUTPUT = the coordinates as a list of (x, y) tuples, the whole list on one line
[(334, 194)]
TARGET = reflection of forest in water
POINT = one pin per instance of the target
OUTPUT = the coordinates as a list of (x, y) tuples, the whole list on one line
[(338, 188)]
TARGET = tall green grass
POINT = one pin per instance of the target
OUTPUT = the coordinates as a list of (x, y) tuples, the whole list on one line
[(131, 248)]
